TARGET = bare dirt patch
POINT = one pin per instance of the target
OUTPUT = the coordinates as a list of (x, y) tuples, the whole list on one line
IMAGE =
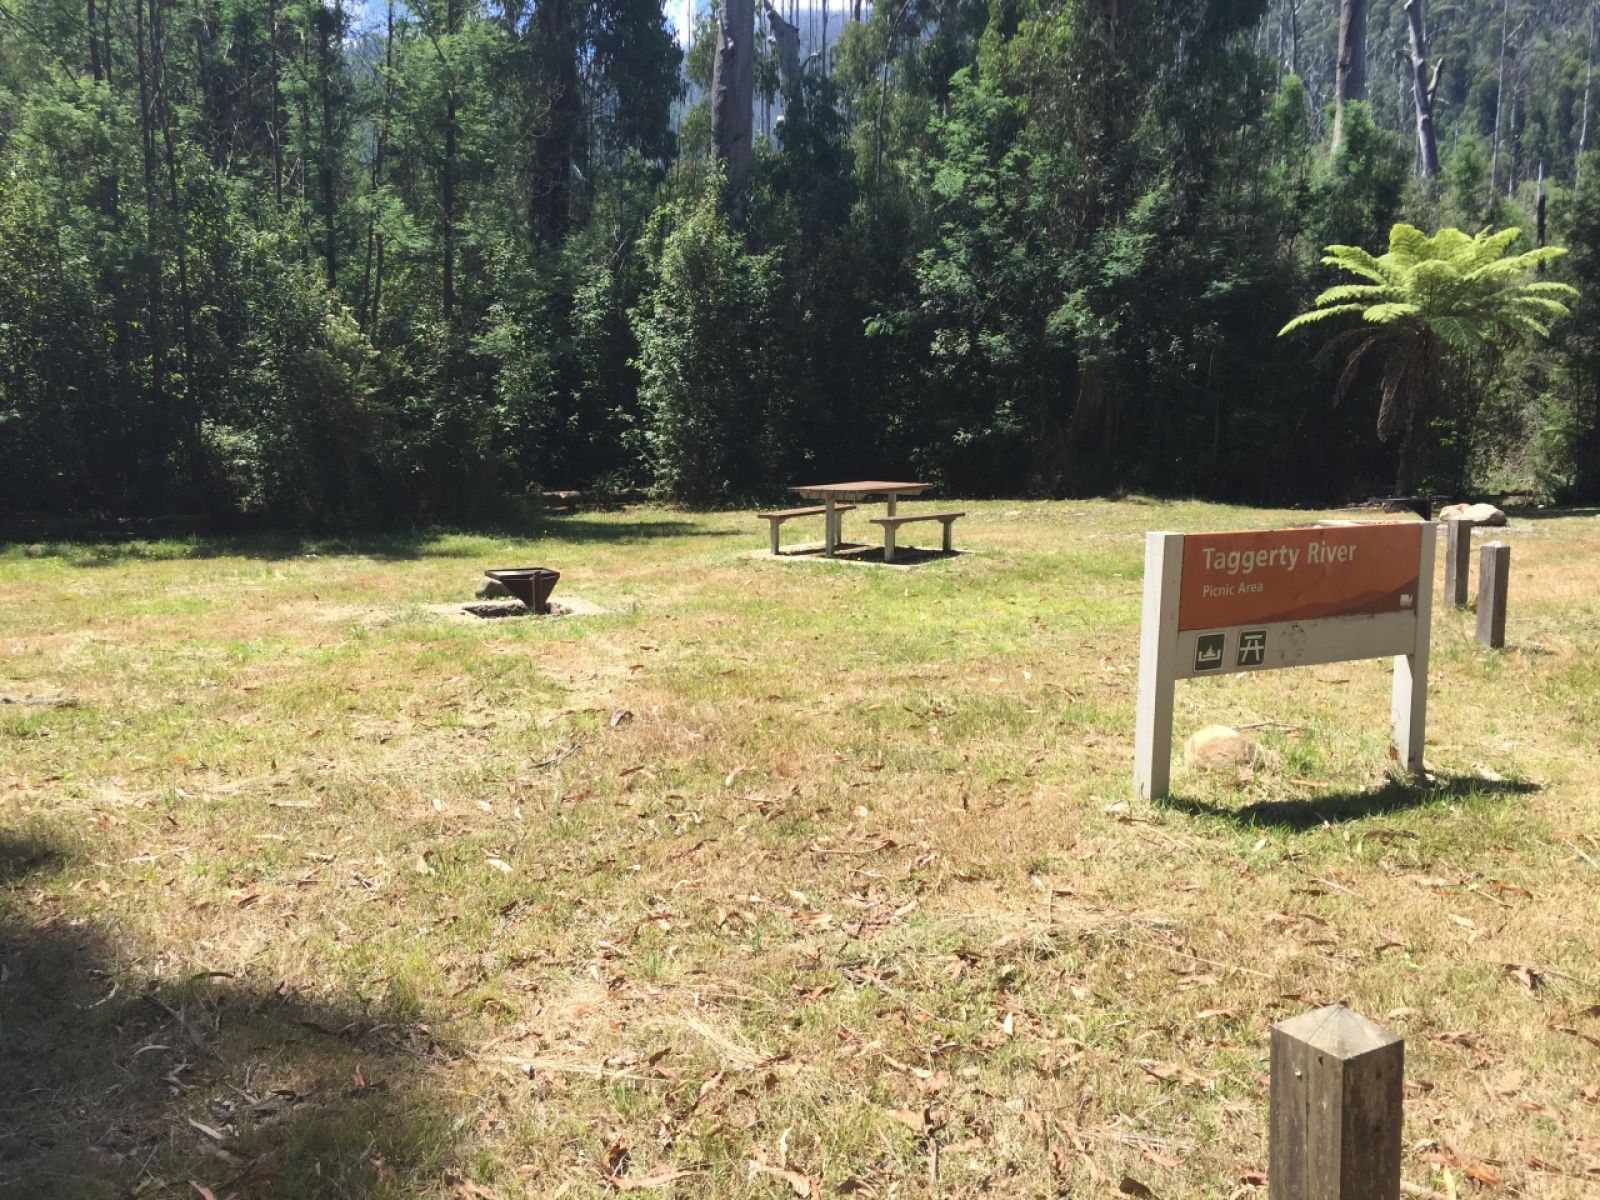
[(494, 610)]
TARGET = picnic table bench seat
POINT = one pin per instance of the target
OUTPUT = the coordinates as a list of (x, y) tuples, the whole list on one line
[(777, 517), (892, 524)]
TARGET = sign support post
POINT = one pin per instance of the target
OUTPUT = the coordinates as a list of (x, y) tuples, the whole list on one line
[(1158, 653), (1408, 709), (1258, 600)]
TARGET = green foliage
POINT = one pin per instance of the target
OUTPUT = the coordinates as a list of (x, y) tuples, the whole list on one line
[(338, 264), (708, 401), (1357, 191), (1569, 434)]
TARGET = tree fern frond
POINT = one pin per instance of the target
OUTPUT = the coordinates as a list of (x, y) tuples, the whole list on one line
[(1353, 291), (1542, 304), (1384, 314), (1407, 241), (1355, 260), (1551, 289), (1318, 314), (1485, 249)]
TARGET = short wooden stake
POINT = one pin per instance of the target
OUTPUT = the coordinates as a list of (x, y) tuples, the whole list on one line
[(1336, 1108), (1494, 577), (1457, 560)]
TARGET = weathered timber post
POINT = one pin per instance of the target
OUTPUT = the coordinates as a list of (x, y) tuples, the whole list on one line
[(1336, 1109), (1457, 560), (1494, 577)]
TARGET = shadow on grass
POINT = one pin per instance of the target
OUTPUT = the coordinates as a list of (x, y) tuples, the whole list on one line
[(394, 547), (1335, 808), (854, 552), (22, 855), (113, 1083), (1529, 513)]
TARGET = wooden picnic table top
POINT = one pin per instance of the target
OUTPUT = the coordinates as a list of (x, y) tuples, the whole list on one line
[(859, 487)]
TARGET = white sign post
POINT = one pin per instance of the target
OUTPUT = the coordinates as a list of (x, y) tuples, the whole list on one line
[(1259, 600)]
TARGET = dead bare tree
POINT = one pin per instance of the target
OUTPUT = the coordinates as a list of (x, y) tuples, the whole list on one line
[(1423, 90), (786, 37)]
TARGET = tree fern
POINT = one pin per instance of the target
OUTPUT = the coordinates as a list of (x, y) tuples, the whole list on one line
[(1454, 292)]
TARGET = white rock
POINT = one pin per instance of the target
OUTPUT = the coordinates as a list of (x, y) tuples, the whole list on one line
[(1474, 514), (1220, 748)]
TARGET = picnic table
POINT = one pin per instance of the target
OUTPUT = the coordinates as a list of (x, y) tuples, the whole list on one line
[(832, 494)]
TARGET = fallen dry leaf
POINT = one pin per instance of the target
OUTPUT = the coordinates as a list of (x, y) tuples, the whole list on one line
[(1483, 1173), (1173, 1072), (1059, 1159), (913, 1120), (614, 1156), (1510, 1085), (801, 1184), (1132, 1187), (1528, 976)]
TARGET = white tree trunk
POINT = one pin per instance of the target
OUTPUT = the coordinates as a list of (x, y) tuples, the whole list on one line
[(1499, 101), (1588, 81), (1427, 147), (733, 78), (1350, 80)]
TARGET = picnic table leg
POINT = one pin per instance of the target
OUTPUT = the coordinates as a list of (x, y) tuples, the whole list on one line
[(774, 524), (891, 504), (888, 543), (830, 533), (948, 548)]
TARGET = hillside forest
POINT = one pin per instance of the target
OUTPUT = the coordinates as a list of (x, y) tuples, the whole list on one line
[(354, 262)]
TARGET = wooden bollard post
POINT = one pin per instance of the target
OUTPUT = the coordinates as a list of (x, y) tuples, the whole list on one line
[(1336, 1109), (1457, 560), (1494, 577)]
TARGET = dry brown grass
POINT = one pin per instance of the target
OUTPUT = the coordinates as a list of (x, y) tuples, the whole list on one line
[(786, 876)]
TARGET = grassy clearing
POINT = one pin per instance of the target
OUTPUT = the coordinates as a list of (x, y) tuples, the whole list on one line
[(789, 877)]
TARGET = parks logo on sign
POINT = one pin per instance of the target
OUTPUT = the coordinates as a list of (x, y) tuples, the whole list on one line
[(1262, 599)]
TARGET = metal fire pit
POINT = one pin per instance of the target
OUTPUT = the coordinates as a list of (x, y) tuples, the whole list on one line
[(531, 585)]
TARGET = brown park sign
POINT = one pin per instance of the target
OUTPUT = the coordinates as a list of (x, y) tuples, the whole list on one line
[(1260, 576), (1266, 599)]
